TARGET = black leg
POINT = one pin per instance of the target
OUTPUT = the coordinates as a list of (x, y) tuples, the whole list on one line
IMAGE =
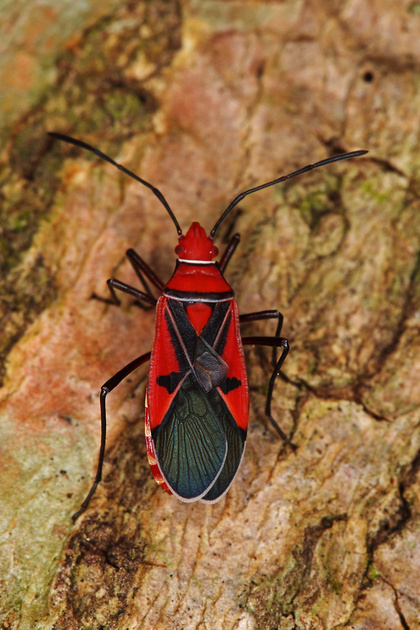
[(141, 267), (105, 389), (229, 251), (143, 299), (113, 284), (260, 315), (275, 342)]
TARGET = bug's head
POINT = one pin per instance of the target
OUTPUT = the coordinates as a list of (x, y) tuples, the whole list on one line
[(196, 245)]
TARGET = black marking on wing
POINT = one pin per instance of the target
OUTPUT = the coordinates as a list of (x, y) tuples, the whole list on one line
[(170, 381), (229, 384), (191, 442), (215, 327), (185, 331), (184, 326)]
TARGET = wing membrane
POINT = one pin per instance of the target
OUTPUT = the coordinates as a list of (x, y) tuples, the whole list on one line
[(190, 443), (235, 450)]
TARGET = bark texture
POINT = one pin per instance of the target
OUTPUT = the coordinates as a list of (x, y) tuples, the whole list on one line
[(205, 99)]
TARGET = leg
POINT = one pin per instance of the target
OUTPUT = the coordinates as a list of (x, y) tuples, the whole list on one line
[(113, 284), (140, 267), (229, 251), (105, 389), (275, 342), (260, 315)]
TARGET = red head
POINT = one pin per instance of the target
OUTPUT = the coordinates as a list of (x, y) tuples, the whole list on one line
[(196, 245)]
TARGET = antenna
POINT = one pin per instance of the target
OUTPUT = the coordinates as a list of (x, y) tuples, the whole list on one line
[(310, 167), (88, 147)]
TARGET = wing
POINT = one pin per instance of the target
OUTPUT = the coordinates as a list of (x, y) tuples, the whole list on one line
[(190, 443), (235, 437)]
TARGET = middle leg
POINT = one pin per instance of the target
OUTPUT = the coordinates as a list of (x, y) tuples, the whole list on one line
[(261, 315), (274, 342)]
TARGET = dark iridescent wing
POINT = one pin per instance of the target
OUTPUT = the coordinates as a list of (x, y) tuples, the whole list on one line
[(190, 443), (236, 438)]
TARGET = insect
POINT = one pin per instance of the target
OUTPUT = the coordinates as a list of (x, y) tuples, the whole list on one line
[(197, 398)]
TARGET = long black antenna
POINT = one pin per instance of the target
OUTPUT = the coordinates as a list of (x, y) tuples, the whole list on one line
[(156, 191), (310, 167)]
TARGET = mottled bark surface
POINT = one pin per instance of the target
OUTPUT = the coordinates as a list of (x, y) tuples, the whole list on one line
[(205, 99)]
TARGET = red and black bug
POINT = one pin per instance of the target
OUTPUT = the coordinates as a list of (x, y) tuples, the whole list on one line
[(197, 392)]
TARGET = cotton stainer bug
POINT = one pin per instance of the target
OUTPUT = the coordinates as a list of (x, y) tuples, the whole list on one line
[(197, 396)]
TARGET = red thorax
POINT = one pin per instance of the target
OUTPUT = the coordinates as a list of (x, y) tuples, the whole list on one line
[(196, 245)]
